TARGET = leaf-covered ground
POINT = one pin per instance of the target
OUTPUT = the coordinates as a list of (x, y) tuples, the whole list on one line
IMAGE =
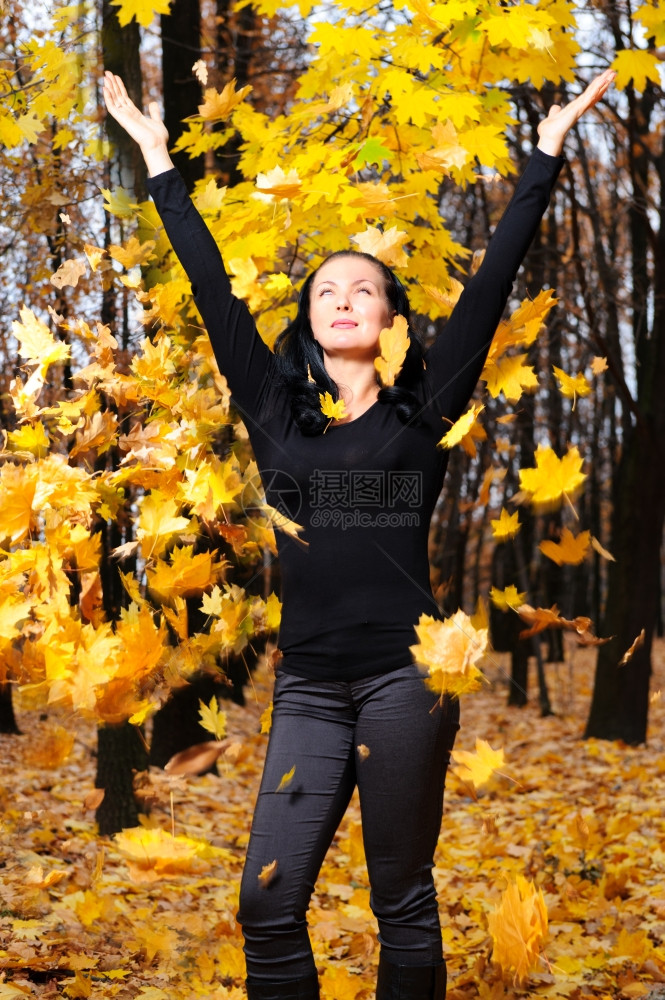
[(586, 822)]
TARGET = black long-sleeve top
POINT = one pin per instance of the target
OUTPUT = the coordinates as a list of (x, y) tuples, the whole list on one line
[(366, 489)]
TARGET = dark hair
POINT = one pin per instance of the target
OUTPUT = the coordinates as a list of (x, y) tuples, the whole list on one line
[(299, 353)]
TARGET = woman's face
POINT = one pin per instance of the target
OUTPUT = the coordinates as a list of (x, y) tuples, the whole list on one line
[(348, 307)]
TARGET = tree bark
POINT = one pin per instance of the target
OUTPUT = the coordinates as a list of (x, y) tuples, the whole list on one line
[(8, 722), (121, 752), (181, 48)]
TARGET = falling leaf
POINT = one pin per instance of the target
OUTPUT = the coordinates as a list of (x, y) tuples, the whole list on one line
[(449, 651), (508, 598), (598, 365), (637, 65), (286, 779), (478, 767), (94, 799), (393, 345), (143, 10), (518, 926), (628, 655), (266, 719), (570, 549), (571, 385), (200, 71), (543, 618), (363, 751), (278, 183), (462, 427), (196, 759), (553, 477), (267, 873), (595, 544), (506, 526), (52, 749), (385, 246), (217, 106), (212, 718), (330, 408), (68, 273), (132, 253)]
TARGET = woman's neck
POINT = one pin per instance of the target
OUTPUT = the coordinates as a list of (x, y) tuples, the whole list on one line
[(356, 380)]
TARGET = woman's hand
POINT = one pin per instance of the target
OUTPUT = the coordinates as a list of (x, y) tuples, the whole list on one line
[(552, 130), (149, 132)]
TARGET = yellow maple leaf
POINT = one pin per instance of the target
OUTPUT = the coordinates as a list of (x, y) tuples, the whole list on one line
[(448, 297), (266, 719), (337, 983), (518, 926), (506, 526), (448, 153), (385, 246), (144, 11), (570, 549), (651, 16), (462, 428), (509, 375), (477, 768), (571, 386), (330, 408), (553, 478), (510, 597), (598, 365), (31, 438), (448, 651), (68, 273), (186, 576), (278, 183), (393, 344), (154, 854), (638, 65), (216, 105), (133, 253), (158, 522), (17, 493), (244, 281), (213, 718), (36, 342), (94, 255)]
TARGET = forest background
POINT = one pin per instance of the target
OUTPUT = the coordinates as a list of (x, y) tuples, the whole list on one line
[(137, 548)]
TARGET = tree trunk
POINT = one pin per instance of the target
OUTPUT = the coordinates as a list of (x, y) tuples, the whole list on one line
[(620, 704), (121, 752), (181, 48), (8, 722), (120, 49)]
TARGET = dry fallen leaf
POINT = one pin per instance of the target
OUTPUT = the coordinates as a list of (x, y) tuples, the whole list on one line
[(267, 873)]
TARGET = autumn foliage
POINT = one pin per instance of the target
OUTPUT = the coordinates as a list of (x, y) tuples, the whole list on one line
[(120, 449)]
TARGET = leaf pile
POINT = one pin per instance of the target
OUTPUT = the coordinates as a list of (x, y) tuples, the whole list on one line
[(150, 915)]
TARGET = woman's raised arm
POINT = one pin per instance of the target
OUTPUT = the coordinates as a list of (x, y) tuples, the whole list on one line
[(149, 132), (241, 354)]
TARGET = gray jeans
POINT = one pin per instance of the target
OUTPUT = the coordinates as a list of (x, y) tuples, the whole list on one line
[(317, 726)]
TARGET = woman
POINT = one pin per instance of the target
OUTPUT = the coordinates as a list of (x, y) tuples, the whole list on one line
[(350, 707)]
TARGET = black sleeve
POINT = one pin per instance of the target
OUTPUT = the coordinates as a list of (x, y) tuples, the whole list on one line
[(243, 358), (456, 358)]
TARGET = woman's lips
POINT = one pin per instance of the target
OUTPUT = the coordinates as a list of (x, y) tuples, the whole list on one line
[(344, 324)]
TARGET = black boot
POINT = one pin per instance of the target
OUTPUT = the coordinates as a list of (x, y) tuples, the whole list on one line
[(410, 982), (293, 989)]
